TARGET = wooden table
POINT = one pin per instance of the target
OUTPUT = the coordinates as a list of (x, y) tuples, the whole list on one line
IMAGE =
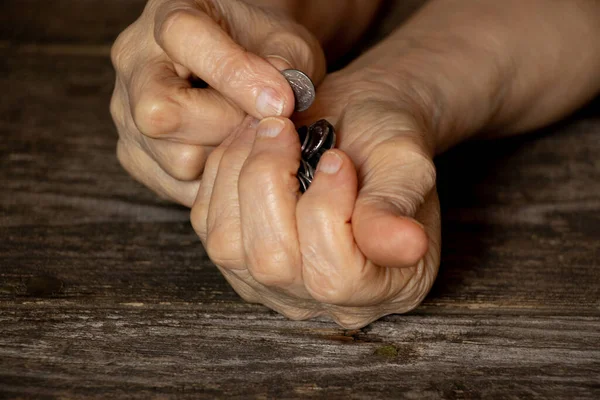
[(105, 291)]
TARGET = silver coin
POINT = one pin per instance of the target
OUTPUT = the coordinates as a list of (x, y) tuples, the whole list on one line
[(303, 88)]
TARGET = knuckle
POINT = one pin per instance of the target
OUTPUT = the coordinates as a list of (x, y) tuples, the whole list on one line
[(155, 117), (327, 289), (271, 268), (178, 18), (263, 172), (221, 247), (186, 164), (119, 52), (234, 67)]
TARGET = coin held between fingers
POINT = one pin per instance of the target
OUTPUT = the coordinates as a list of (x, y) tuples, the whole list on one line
[(303, 88), (315, 141)]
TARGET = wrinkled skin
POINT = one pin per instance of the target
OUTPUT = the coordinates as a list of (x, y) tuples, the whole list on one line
[(167, 127), (364, 240), (348, 253)]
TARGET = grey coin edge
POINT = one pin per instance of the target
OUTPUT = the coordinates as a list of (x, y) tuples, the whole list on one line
[(296, 74)]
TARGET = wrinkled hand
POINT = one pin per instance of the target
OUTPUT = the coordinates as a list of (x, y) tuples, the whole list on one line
[(362, 242), (167, 126)]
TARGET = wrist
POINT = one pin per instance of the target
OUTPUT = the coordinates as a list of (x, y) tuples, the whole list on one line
[(516, 74), (452, 90)]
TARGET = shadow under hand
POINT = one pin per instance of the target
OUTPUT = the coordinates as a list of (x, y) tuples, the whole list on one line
[(514, 211)]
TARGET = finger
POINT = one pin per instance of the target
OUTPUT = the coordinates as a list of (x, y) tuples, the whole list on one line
[(397, 176), (192, 38), (146, 171), (409, 285), (199, 214), (286, 50), (268, 190), (224, 233), (334, 269), (241, 287), (165, 106), (183, 162), (282, 42), (250, 290)]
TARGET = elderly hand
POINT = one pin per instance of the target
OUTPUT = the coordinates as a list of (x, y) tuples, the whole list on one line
[(362, 242), (167, 127)]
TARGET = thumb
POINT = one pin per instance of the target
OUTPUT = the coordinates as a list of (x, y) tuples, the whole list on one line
[(398, 176), (276, 38)]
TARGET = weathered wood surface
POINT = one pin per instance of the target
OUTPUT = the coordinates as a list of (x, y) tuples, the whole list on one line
[(106, 292)]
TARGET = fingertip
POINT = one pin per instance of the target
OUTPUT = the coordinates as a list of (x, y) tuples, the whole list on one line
[(279, 62), (276, 128), (335, 171), (270, 103), (335, 184), (335, 164), (390, 240), (330, 163), (276, 97)]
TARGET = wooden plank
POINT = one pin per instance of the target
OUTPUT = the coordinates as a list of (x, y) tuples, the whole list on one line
[(163, 351)]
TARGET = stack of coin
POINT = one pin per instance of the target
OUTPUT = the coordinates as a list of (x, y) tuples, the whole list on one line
[(315, 139)]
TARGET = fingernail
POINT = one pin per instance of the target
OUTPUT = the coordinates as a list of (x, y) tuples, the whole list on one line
[(269, 103), (330, 163), (412, 220), (279, 62), (270, 127)]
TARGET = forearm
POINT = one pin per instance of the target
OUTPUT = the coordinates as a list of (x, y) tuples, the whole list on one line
[(502, 67), (338, 24)]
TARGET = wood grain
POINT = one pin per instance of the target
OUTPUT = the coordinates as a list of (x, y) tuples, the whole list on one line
[(105, 291), (151, 351)]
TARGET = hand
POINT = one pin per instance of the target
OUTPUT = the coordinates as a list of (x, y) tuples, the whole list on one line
[(167, 127), (362, 242)]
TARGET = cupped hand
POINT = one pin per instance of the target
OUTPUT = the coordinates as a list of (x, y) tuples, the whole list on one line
[(362, 242), (167, 124)]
